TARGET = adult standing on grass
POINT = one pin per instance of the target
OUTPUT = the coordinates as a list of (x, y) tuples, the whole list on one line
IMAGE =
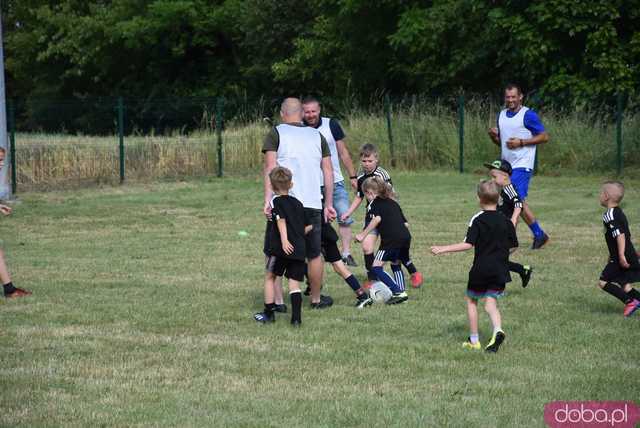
[(518, 134), (332, 131), (305, 152)]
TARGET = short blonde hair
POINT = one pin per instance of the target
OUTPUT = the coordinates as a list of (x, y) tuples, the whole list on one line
[(614, 189), (489, 191), (280, 178)]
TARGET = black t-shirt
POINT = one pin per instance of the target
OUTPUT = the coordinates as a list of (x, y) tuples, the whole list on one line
[(378, 172), (492, 235), (509, 200), (615, 224), (394, 234), (291, 210)]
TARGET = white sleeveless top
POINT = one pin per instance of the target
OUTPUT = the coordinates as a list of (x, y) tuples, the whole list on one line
[(325, 130), (520, 157), (300, 150)]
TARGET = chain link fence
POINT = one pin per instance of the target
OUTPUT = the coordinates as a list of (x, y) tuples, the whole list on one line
[(56, 143)]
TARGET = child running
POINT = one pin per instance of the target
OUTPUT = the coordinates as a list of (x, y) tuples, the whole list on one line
[(510, 205), (371, 168), (287, 252), (491, 235), (623, 267), (385, 215)]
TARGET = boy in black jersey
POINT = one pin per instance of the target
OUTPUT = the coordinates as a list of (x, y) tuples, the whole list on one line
[(623, 267), (370, 168), (491, 235), (510, 205), (385, 215), (287, 252)]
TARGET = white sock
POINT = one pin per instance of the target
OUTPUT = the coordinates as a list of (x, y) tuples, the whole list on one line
[(474, 338)]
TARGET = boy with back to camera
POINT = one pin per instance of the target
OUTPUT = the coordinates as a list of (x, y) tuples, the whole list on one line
[(510, 205), (491, 235), (371, 168), (10, 291), (287, 252), (623, 267)]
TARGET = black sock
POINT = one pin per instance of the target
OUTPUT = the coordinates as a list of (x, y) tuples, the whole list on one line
[(410, 267), (269, 309), (517, 268), (634, 293), (352, 282), (296, 305), (368, 264), (8, 288), (616, 291)]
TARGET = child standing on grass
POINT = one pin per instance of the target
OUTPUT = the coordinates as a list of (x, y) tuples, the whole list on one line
[(510, 205), (623, 267), (10, 291), (369, 162), (491, 235), (385, 215), (287, 252)]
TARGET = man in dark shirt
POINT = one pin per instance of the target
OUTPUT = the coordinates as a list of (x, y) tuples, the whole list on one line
[(623, 267)]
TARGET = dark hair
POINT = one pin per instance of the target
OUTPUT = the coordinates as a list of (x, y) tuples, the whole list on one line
[(280, 178), (310, 99), (379, 186), (368, 150), (511, 86)]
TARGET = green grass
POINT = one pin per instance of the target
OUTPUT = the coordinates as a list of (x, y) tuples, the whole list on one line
[(143, 301)]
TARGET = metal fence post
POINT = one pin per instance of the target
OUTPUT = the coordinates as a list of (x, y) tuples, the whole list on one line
[(619, 111), (219, 125), (387, 110), (461, 131), (12, 146), (121, 136)]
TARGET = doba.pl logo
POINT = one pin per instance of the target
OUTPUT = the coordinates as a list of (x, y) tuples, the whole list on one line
[(588, 414)]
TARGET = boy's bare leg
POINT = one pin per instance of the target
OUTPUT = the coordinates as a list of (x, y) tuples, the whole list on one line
[(9, 290), (491, 306), (277, 291), (472, 314), (269, 284)]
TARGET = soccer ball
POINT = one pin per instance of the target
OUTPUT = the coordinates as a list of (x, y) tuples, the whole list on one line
[(379, 292)]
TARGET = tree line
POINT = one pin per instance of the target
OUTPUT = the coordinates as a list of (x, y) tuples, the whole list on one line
[(340, 49)]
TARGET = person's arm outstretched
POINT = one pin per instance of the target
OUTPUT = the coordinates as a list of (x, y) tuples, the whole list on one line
[(452, 248), (357, 200)]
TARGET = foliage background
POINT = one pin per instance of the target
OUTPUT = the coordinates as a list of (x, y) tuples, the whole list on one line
[(567, 52)]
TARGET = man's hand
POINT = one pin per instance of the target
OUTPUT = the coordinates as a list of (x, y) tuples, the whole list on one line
[(329, 214), (344, 217), (267, 210), (287, 247), (624, 263), (359, 237), (514, 143), (354, 184), (494, 133), (5, 209)]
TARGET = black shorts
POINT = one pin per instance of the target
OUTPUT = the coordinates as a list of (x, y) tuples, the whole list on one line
[(292, 269), (313, 239), (613, 272), (330, 249), (391, 255)]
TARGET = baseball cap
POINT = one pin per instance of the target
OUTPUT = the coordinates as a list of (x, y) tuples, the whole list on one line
[(500, 164)]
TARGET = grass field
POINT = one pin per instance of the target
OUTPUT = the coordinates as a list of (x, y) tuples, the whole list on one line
[(144, 294)]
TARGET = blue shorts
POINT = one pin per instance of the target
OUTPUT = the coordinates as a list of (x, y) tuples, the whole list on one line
[(520, 178), (341, 202)]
